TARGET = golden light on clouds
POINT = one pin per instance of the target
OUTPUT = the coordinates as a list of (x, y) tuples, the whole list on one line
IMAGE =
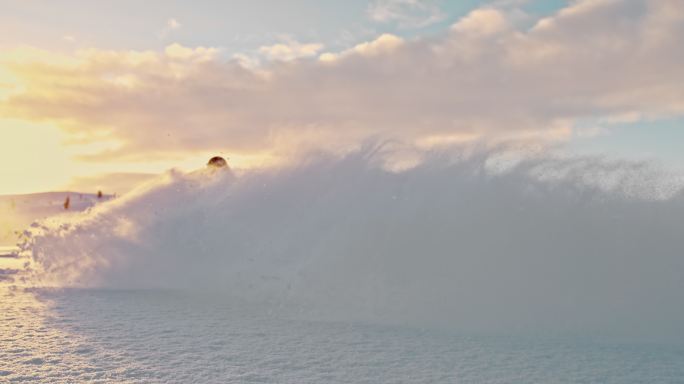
[(45, 148), (38, 157), (32, 157), (9, 83), (99, 111)]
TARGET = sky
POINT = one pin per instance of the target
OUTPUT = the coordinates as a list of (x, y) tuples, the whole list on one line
[(98, 95)]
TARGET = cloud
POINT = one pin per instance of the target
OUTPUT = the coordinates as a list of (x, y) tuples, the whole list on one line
[(171, 25), (484, 78), (290, 49), (176, 51), (406, 13), (384, 44), (482, 22)]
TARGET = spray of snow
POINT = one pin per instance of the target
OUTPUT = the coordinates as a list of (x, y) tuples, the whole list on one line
[(459, 240)]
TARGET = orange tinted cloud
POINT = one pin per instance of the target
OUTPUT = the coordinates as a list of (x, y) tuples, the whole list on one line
[(484, 78)]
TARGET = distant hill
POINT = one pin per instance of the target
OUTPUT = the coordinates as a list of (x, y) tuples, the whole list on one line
[(19, 211)]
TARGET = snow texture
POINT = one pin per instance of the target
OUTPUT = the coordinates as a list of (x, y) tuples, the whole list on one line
[(463, 241)]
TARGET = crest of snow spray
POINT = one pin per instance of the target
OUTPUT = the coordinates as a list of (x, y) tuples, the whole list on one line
[(455, 242)]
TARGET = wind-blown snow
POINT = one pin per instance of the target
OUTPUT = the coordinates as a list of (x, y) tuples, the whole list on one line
[(19, 211), (457, 242)]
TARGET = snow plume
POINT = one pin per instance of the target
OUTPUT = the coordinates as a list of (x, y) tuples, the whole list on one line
[(466, 240)]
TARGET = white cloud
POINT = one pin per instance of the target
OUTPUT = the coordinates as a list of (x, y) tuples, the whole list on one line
[(484, 22), (385, 43), (406, 13), (290, 49), (177, 51), (171, 25)]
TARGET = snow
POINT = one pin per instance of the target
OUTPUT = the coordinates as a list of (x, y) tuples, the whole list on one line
[(338, 270), (103, 336), (18, 211), (552, 245)]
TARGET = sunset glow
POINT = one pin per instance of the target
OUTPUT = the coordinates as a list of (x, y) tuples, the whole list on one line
[(358, 191), (86, 106)]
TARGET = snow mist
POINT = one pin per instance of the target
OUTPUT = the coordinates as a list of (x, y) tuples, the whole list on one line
[(457, 242)]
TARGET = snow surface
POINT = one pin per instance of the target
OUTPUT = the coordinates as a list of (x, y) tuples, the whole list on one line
[(106, 336)]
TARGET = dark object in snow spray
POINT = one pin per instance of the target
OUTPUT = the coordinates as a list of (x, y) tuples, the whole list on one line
[(217, 162)]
